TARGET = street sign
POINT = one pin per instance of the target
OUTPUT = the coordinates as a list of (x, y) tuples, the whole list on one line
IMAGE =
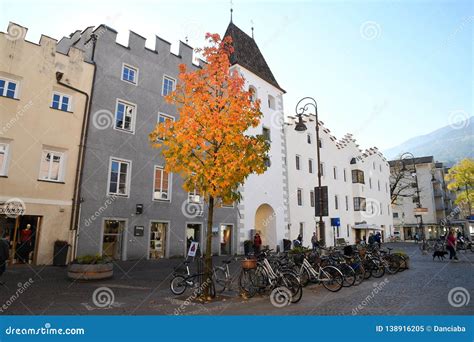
[(318, 194), (335, 221), (193, 249), (420, 211)]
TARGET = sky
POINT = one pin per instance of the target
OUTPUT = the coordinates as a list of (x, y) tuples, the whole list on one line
[(385, 71)]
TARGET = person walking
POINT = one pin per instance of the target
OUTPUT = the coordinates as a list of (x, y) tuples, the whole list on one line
[(257, 244), (378, 239), (4, 253), (314, 241), (451, 242)]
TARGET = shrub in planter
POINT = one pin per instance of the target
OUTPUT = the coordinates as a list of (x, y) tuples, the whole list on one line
[(407, 259), (91, 267)]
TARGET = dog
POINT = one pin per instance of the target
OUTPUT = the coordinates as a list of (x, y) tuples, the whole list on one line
[(439, 254)]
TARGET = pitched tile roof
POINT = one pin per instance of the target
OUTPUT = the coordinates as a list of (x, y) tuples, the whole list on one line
[(247, 54)]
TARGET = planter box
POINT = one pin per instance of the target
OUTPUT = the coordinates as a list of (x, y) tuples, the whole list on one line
[(90, 272)]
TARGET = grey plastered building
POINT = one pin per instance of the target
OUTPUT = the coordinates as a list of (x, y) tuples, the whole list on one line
[(129, 207)]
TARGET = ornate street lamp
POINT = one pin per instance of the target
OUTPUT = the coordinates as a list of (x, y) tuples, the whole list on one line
[(304, 107)]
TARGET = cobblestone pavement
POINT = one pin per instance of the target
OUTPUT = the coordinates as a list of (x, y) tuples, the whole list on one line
[(142, 287)]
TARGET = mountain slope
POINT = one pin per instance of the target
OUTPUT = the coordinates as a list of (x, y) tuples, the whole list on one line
[(448, 144)]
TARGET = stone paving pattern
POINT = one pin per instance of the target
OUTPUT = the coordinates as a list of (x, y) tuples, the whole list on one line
[(142, 288)]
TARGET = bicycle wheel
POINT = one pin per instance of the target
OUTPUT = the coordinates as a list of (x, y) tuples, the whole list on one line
[(178, 285), (359, 273), (293, 284), (304, 276), (378, 269), (348, 273), (220, 279), (246, 283), (393, 264), (331, 278), (367, 269)]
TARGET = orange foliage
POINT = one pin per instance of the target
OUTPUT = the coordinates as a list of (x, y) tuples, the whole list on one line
[(208, 145)]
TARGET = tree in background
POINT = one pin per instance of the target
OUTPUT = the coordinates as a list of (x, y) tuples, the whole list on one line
[(208, 145), (402, 183), (460, 180)]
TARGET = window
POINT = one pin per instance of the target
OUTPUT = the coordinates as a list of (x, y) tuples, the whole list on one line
[(52, 166), (359, 204), (348, 229), (334, 172), (380, 167), (266, 133), (378, 184), (4, 148), (358, 176), (311, 198), (386, 187), (320, 143), (310, 165), (336, 202), (168, 85), (129, 74), (271, 102), (162, 118), (161, 188), (370, 183), (125, 116), (395, 215), (309, 138), (119, 177), (299, 197), (298, 167), (253, 93), (61, 102), (8, 88), (301, 228), (373, 164), (345, 176), (347, 203), (195, 197), (388, 209), (322, 169)]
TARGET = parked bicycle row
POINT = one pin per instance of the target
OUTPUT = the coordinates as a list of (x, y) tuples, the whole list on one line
[(284, 275)]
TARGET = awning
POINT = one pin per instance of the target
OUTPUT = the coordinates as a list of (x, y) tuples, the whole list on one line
[(367, 226)]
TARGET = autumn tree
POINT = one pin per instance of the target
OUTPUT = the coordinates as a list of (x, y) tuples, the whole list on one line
[(460, 180), (208, 145)]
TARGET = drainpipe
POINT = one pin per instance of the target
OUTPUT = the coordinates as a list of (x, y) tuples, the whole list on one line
[(80, 159)]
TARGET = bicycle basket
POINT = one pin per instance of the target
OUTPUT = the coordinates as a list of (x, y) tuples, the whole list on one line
[(249, 264)]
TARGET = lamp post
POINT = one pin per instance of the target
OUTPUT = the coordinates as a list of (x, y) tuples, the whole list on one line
[(302, 108), (418, 204)]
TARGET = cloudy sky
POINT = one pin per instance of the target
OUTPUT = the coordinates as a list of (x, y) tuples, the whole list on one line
[(383, 70)]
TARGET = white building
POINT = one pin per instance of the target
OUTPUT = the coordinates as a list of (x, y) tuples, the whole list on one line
[(357, 181), (435, 198), (264, 206)]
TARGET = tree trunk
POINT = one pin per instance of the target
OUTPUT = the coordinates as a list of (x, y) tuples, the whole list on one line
[(208, 259)]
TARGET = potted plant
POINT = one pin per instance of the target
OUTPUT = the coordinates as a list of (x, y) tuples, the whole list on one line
[(91, 267), (406, 264)]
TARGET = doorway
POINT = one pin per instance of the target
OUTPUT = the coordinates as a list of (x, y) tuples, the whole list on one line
[(225, 237), (193, 234), (265, 225), (158, 240), (24, 236), (113, 239)]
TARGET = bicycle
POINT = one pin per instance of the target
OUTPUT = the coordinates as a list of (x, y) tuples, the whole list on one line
[(222, 277), (331, 278), (258, 275), (181, 281)]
